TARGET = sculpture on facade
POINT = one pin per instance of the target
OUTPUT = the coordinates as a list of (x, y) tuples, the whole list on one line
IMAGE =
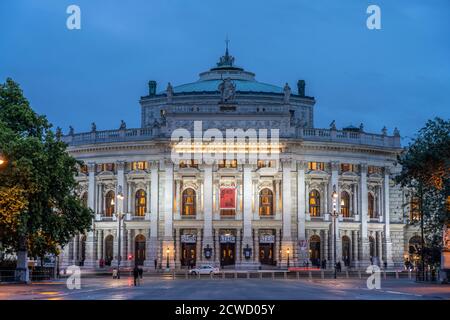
[(361, 127), (71, 131), (396, 132), (287, 93), (169, 93), (93, 127), (301, 88), (123, 125), (384, 131), (227, 90)]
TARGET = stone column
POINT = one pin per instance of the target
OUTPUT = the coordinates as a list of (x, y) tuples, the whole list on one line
[(325, 246), (177, 248), (387, 219), (217, 247), (256, 251), (355, 260), (247, 215), (238, 247), (128, 199), (198, 247), (128, 248), (325, 209), (168, 214), (207, 212), (152, 250), (364, 256), (287, 198), (90, 245), (301, 210), (76, 249), (148, 203), (177, 214), (380, 247), (335, 238)]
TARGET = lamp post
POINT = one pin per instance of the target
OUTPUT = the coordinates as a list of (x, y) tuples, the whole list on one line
[(334, 215), (287, 251), (167, 252), (120, 216)]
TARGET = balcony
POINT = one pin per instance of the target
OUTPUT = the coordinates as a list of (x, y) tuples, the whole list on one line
[(307, 134)]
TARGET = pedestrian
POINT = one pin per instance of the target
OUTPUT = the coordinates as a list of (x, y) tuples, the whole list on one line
[(141, 272), (114, 273), (136, 275), (156, 263)]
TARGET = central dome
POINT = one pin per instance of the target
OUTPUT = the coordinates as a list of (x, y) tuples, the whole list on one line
[(244, 81)]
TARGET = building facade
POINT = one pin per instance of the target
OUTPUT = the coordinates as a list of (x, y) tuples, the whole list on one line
[(267, 213)]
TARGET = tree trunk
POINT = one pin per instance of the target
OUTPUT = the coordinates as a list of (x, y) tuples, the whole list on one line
[(22, 272)]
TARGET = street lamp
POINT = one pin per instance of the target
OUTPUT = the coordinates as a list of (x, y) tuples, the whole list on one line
[(120, 216), (167, 252), (334, 215), (287, 251)]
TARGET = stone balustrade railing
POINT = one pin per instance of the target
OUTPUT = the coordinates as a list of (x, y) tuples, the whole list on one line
[(307, 134)]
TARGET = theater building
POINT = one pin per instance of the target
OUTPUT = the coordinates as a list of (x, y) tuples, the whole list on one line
[(267, 213)]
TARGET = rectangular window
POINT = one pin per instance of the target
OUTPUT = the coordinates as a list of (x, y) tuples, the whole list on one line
[(347, 167), (228, 164), (188, 164), (316, 166), (139, 165), (373, 169), (106, 167), (84, 169)]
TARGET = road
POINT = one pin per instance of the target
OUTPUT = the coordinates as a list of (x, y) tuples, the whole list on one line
[(157, 288)]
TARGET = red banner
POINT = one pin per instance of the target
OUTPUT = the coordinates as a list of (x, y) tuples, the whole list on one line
[(227, 198)]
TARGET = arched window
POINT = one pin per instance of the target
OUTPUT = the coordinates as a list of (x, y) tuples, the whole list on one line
[(109, 249), (139, 250), (265, 202), (314, 203), (372, 249), (109, 204), (314, 250), (346, 250), (140, 203), (345, 204), (84, 199), (371, 206), (188, 205)]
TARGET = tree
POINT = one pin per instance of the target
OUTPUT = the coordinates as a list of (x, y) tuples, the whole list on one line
[(42, 173), (426, 173)]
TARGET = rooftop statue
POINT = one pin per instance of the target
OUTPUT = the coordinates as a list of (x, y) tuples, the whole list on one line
[(287, 93), (93, 127), (384, 131), (227, 90), (333, 125), (123, 125), (169, 93), (71, 131)]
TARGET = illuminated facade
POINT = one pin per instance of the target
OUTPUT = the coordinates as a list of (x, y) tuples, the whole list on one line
[(194, 212)]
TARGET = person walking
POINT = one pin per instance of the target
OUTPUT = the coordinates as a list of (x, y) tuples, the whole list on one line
[(141, 272), (136, 275), (114, 273), (156, 264)]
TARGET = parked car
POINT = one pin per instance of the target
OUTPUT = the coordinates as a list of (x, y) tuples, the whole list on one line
[(206, 269)]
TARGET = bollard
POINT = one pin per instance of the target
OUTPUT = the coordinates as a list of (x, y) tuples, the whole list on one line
[(322, 274), (273, 275), (173, 275), (359, 274), (396, 274), (298, 275), (223, 275)]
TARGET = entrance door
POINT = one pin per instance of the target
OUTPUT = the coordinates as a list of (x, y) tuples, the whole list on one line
[(188, 254), (139, 250), (266, 253), (227, 253), (109, 249)]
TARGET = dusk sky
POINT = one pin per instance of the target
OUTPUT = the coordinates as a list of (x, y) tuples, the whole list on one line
[(398, 76)]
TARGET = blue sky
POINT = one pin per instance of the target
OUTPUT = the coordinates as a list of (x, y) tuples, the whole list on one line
[(398, 76)]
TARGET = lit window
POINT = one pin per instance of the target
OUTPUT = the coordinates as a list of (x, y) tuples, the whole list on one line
[(316, 166), (189, 204), (109, 204), (314, 203), (227, 164), (371, 206), (139, 165), (141, 203), (345, 204), (347, 167), (265, 202)]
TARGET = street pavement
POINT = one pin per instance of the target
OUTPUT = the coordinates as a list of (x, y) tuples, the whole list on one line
[(166, 288)]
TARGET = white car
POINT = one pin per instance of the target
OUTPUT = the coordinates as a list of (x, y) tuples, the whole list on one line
[(207, 269)]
